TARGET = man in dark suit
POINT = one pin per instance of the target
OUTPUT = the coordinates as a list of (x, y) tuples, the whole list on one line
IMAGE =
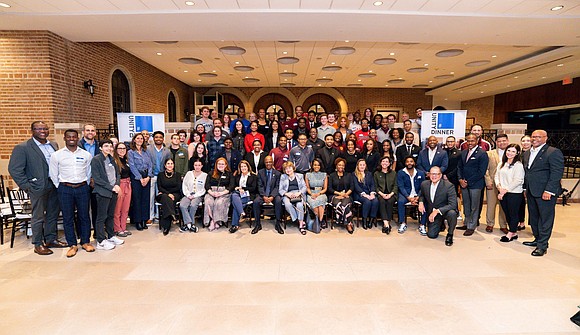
[(405, 150), (471, 172), (438, 201), (28, 167), (431, 156), (544, 166), (328, 154), (268, 182), (256, 157)]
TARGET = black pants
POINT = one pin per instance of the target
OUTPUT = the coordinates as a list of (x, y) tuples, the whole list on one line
[(433, 228), (167, 210), (45, 209), (541, 214), (511, 206), (522, 211), (104, 223), (386, 207), (257, 208)]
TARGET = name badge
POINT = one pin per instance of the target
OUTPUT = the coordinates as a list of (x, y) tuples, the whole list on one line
[(110, 164), (180, 154), (221, 145), (223, 177), (298, 154)]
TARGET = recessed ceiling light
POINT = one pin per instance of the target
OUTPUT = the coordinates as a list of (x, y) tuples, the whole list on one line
[(392, 54), (417, 69), (560, 65), (386, 85), (288, 60), (509, 85), (319, 84), (478, 63), (481, 92), (346, 41), (360, 80), (250, 80), (556, 8), (451, 72), (237, 63), (5, 5), (332, 68), (288, 74), (159, 54), (208, 75), (515, 77), (333, 63), (377, 3), (430, 81), (190, 3), (185, 71), (426, 64), (199, 80), (543, 77), (285, 70), (367, 75), (396, 81), (323, 77), (243, 68), (213, 71), (385, 61), (493, 56), (287, 84), (323, 80), (285, 52), (370, 70), (285, 79)]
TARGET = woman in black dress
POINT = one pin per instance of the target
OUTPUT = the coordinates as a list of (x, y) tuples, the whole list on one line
[(169, 186), (371, 155), (200, 154), (339, 191), (351, 156), (238, 136)]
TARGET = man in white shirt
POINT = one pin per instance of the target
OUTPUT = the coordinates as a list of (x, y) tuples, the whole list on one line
[(383, 131), (438, 201), (70, 171), (325, 128), (495, 158), (205, 120)]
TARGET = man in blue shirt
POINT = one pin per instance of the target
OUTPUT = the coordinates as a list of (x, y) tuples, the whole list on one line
[(91, 145), (159, 153), (241, 117)]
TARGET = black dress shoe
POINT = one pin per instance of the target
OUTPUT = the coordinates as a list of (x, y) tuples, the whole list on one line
[(56, 244), (144, 225), (539, 252), (506, 239), (533, 243), (139, 226), (256, 229), (461, 228), (279, 229), (389, 228), (165, 231), (364, 223), (449, 240), (234, 229), (384, 230)]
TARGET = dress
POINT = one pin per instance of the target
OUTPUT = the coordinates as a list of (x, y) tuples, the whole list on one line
[(316, 182)]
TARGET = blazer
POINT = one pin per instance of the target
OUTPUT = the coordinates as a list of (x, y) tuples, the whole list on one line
[(445, 197), (386, 182), (453, 157), (270, 142), (546, 171), (82, 142), (335, 184), (29, 169), (401, 153), (440, 159), (494, 162), (251, 184), (404, 182), (328, 156), (225, 179), (284, 181), (235, 159), (102, 186), (473, 170), (366, 187), (274, 183), (152, 151), (250, 158)]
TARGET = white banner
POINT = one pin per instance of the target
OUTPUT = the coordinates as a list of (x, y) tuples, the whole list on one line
[(442, 124), (131, 123)]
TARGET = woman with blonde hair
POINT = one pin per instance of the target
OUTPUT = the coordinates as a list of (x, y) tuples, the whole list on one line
[(219, 186), (246, 188), (292, 189), (365, 193)]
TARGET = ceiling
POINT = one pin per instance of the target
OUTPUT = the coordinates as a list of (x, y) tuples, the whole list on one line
[(517, 43)]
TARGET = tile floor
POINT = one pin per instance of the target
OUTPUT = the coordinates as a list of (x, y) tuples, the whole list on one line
[(331, 283)]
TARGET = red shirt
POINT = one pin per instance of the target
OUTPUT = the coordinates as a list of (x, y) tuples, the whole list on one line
[(361, 138), (280, 156), (290, 124), (249, 141)]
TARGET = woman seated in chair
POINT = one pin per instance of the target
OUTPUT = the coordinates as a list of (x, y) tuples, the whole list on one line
[(193, 189), (169, 186), (365, 193), (219, 187), (386, 184), (316, 186), (339, 189), (293, 190), (246, 183)]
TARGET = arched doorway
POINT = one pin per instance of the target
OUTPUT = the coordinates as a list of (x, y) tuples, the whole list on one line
[(172, 107), (273, 99), (321, 102), (120, 94)]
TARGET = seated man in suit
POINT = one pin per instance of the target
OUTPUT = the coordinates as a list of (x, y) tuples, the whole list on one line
[(431, 156), (405, 150), (438, 201), (409, 182), (268, 180), (256, 157)]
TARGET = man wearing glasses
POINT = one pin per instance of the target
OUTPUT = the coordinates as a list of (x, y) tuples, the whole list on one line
[(29, 168)]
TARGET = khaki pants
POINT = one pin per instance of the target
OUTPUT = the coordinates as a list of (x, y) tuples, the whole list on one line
[(492, 201)]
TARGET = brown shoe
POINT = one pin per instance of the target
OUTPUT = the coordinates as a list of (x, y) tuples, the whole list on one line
[(56, 244), (504, 230), (42, 250), (88, 247), (72, 251), (489, 229), (468, 232)]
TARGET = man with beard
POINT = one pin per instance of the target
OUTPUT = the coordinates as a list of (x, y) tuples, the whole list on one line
[(491, 191), (409, 182), (301, 155), (362, 135), (280, 154), (383, 131), (405, 150), (328, 154), (159, 153)]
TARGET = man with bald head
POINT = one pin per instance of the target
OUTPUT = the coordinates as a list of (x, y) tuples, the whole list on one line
[(268, 181), (432, 155), (438, 201), (544, 166)]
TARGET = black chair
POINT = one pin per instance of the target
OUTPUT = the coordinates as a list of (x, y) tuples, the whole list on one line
[(21, 212)]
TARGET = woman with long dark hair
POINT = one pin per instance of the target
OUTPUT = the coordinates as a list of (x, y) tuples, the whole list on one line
[(252, 136), (371, 155), (200, 154), (526, 144), (194, 139), (273, 136), (169, 187), (509, 179), (238, 135), (387, 150), (124, 196), (141, 168), (387, 190)]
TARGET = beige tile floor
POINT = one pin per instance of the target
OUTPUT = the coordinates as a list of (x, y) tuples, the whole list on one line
[(331, 283)]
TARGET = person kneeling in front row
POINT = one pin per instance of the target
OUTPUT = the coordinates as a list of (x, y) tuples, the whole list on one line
[(438, 201)]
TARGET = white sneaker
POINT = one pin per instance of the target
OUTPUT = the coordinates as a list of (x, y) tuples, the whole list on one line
[(105, 245), (116, 241), (422, 230), (402, 228), (459, 217)]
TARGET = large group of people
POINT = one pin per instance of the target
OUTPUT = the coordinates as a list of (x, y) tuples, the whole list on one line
[(299, 165)]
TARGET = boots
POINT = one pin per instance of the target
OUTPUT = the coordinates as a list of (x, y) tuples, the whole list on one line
[(139, 225)]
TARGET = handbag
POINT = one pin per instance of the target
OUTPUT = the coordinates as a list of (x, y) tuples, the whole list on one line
[(296, 200), (312, 223)]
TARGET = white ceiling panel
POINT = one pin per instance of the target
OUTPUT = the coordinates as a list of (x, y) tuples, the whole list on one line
[(467, 6), (222, 4), (284, 4), (160, 4), (98, 5), (253, 4), (547, 5), (22, 6), (347, 4), (500, 6), (67, 6), (199, 4), (131, 5), (574, 11), (408, 5), (40, 7), (438, 5), (315, 4)]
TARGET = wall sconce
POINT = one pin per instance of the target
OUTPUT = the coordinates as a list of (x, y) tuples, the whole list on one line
[(89, 86)]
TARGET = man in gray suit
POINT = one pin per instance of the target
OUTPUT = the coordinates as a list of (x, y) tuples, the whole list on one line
[(544, 167), (29, 168), (438, 200)]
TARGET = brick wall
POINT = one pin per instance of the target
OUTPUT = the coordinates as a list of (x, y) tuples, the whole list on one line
[(42, 75), (482, 109)]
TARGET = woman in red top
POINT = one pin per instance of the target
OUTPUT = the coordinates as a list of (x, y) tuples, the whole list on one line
[(252, 136)]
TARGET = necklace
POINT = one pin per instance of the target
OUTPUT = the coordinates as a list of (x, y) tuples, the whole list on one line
[(167, 175)]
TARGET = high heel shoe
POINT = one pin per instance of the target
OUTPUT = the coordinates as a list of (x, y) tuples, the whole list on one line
[(364, 223), (350, 228), (521, 227), (506, 239), (139, 226)]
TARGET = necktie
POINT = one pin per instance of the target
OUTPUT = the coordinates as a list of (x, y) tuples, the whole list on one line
[(409, 149), (268, 173), (468, 155)]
